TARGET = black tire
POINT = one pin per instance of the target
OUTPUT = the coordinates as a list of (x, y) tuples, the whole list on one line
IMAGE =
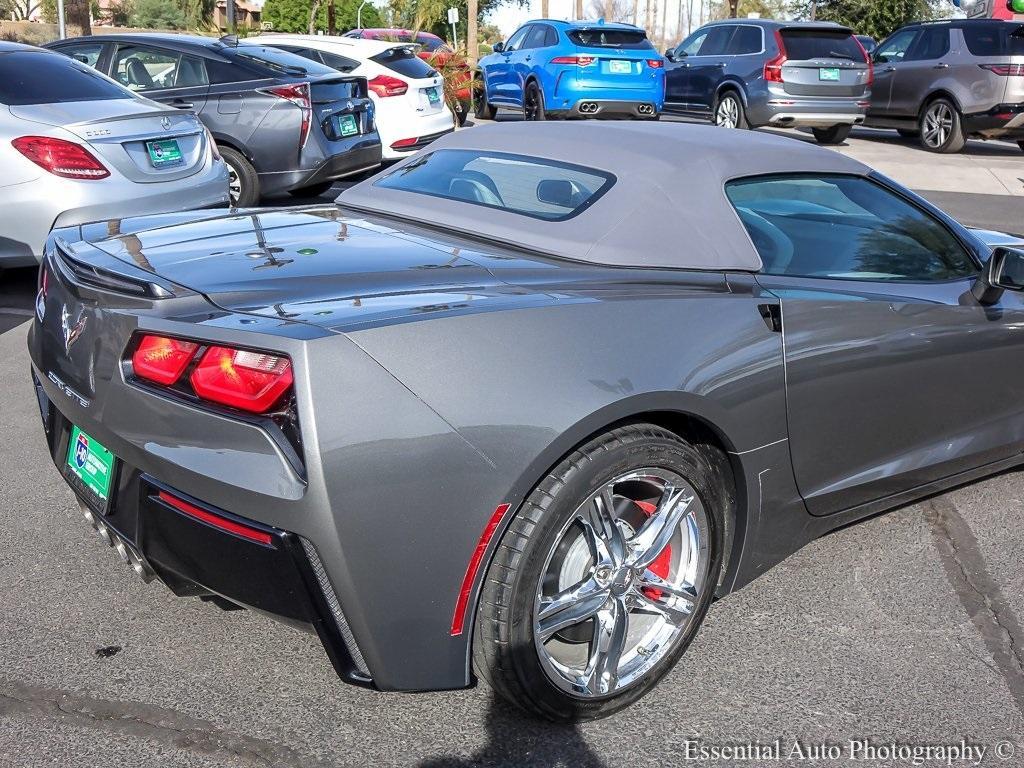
[(482, 109), (314, 190), (533, 102), (247, 193), (462, 112), (836, 134), (908, 133), (731, 103), (504, 653), (941, 127)]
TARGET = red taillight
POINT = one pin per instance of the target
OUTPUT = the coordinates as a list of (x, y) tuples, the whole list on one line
[(385, 85), (162, 360), (867, 60), (61, 158), (655, 63), (298, 95), (225, 524), (250, 381), (1005, 70), (404, 143), (579, 61), (773, 67)]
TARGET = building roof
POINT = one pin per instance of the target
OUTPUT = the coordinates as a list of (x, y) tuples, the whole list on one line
[(666, 208)]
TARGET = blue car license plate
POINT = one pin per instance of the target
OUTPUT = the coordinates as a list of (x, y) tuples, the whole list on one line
[(618, 67), (828, 73)]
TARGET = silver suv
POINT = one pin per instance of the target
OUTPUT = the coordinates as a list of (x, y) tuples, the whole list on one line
[(745, 73), (946, 80)]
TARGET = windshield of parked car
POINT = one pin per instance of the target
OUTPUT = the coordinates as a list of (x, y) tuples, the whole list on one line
[(610, 38), (806, 44), (34, 77), (531, 186)]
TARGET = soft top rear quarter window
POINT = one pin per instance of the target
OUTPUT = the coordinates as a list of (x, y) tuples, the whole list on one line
[(530, 186), (805, 44), (596, 37), (35, 77)]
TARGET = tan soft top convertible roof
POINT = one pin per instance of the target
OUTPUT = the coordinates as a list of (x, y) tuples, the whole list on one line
[(667, 207)]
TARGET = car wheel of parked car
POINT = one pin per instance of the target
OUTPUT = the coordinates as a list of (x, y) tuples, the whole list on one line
[(603, 576), (533, 103), (243, 183), (314, 190), (462, 112), (482, 109), (941, 127), (908, 133), (836, 134), (729, 111)]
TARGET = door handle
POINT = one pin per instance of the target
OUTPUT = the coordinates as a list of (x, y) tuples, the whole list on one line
[(720, 65), (941, 65), (529, 58), (889, 69), (181, 104)]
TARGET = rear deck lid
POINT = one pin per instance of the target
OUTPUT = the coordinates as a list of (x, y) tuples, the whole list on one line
[(823, 61), (425, 87), (315, 265), (998, 47), (611, 57)]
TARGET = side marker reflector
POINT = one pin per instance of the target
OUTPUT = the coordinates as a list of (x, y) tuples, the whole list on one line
[(474, 565), (252, 534)]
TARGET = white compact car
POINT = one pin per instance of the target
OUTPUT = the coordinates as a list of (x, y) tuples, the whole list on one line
[(76, 147), (407, 92)]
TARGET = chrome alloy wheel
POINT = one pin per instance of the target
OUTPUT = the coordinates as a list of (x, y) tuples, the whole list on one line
[(234, 185), (937, 125), (727, 114), (621, 583)]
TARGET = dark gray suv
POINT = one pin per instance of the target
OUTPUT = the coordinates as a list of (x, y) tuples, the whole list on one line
[(947, 80), (283, 124), (745, 73)]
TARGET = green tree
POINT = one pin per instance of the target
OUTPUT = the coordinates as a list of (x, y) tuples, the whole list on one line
[(159, 14), (293, 15), (878, 18)]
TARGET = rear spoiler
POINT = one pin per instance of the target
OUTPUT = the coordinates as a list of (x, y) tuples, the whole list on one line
[(816, 26)]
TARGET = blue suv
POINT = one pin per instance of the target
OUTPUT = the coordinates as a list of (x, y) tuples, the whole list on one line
[(552, 69)]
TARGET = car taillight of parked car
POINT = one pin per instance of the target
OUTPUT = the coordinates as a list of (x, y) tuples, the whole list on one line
[(251, 381), (1005, 70), (655, 63), (385, 86), (773, 67), (867, 60), (60, 157), (297, 94), (579, 61)]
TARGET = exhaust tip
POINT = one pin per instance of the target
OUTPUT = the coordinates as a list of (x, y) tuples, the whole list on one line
[(105, 534), (122, 552), (589, 107), (645, 109)]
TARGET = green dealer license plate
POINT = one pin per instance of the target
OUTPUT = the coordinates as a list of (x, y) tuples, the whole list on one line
[(346, 125), (90, 462), (828, 73), (164, 153)]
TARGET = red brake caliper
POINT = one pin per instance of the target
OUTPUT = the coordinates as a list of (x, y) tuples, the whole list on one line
[(661, 565)]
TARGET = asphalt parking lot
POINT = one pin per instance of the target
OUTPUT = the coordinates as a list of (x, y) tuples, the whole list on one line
[(905, 629)]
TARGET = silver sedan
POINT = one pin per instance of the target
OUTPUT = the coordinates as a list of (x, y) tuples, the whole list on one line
[(77, 147)]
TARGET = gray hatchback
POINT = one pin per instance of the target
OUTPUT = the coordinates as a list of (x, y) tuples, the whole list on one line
[(751, 72), (945, 81)]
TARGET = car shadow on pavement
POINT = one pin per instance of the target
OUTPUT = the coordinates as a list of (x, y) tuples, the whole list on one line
[(513, 739)]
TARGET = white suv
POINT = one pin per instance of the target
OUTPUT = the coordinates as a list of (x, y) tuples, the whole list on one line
[(407, 92)]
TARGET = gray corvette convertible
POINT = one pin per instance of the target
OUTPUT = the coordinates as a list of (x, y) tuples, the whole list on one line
[(522, 406)]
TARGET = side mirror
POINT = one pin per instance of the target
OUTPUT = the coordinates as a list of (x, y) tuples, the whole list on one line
[(1004, 271), (498, 47), (670, 54)]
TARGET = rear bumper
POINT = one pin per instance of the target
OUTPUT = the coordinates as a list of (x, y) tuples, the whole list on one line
[(420, 143), (1002, 121), (32, 209), (280, 575), (364, 156), (612, 108), (567, 95), (799, 112)]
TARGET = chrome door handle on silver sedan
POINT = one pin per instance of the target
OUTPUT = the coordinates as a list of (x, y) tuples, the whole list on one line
[(941, 65)]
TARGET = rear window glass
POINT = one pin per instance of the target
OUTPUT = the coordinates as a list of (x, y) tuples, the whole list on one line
[(32, 77), (280, 61), (999, 39), (610, 38), (804, 44), (404, 61), (531, 186)]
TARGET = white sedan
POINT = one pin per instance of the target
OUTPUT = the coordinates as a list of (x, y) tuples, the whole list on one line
[(407, 92)]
